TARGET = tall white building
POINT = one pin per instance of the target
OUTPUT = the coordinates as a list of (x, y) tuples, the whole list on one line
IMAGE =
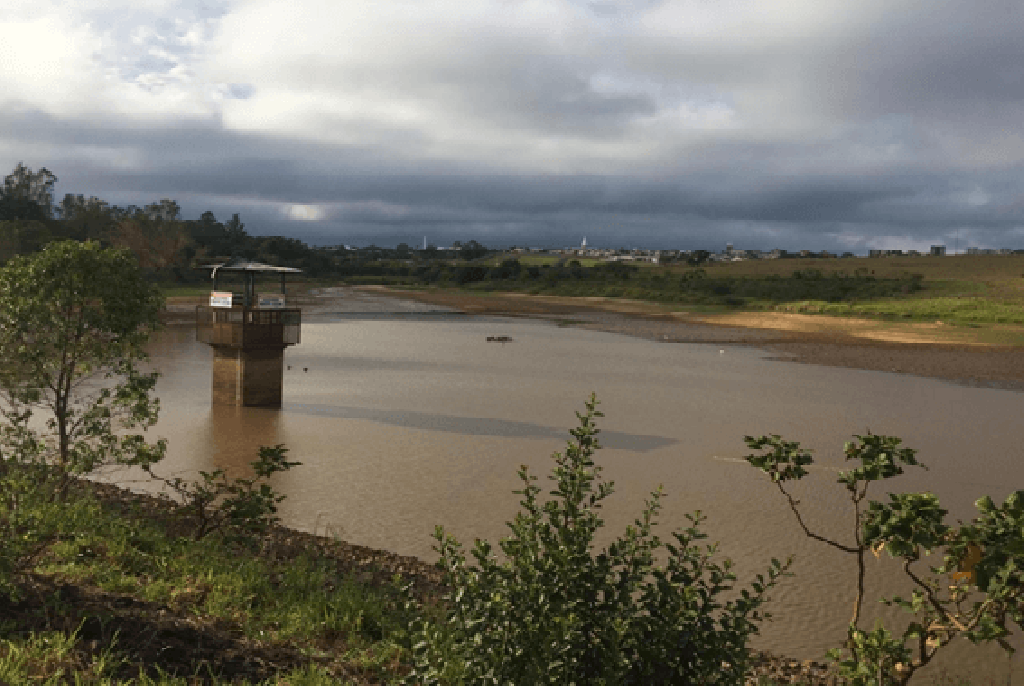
[(583, 244)]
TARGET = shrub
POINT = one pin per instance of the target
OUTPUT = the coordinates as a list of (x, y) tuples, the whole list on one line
[(237, 506), (556, 612), (469, 274)]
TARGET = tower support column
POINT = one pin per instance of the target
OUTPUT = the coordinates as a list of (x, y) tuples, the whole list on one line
[(253, 377)]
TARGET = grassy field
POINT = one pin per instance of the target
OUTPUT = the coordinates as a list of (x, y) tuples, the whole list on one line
[(963, 290), (541, 260), (997, 269), (970, 291)]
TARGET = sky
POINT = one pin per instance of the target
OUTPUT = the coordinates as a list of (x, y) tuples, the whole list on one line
[(795, 124)]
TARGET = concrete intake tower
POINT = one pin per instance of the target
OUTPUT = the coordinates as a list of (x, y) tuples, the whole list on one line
[(248, 333)]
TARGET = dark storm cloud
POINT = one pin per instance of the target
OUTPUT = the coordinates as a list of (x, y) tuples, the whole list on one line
[(812, 125), (377, 197)]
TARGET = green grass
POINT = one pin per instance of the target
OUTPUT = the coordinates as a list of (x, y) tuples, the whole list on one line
[(531, 260), (586, 261), (965, 310), (302, 604), (969, 291)]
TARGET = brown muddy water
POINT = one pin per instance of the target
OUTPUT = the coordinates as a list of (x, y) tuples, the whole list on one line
[(408, 420)]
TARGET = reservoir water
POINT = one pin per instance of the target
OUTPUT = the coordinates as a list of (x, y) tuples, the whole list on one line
[(403, 422)]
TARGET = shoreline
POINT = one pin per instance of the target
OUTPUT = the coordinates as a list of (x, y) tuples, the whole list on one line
[(970, 364), (367, 565), (809, 339)]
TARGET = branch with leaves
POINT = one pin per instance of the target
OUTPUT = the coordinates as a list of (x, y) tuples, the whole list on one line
[(246, 506), (977, 589)]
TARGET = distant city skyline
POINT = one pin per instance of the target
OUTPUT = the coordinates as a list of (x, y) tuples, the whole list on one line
[(819, 124), (933, 250)]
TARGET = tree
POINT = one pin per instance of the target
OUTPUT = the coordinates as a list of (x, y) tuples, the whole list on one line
[(84, 218), (27, 195), (698, 257), (166, 209), (158, 245), (73, 206), (235, 231), (472, 250), (73, 322), (20, 236)]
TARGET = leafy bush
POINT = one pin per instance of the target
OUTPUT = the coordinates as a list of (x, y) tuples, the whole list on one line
[(973, 594), (555, 612), (239, 506), (469, 274)]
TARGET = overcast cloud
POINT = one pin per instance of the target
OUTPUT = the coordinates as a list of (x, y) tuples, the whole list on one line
[(820, 124)]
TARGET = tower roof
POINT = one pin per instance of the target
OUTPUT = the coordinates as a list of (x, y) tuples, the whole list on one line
[(243, 265)]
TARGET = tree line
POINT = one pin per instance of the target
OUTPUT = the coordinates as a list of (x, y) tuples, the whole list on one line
[(165, 244)]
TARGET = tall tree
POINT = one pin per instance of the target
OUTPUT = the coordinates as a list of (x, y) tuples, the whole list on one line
[(166, 209), (21, 236), (73, 206), (84, 218), (74, 319), (27, 195), (158, 245), (472, 250), (235, 230)]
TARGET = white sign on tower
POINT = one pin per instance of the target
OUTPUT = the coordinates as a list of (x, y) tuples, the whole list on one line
[(220, 299)]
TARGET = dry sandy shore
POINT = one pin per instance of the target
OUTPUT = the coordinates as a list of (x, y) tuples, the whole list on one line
[(919, 349)]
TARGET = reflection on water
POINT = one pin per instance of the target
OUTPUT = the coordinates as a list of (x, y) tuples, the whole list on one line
[(475, 426), (405, 422)]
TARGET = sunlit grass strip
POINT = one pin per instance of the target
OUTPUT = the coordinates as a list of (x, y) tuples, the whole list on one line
[(49, 659), (948, 310)]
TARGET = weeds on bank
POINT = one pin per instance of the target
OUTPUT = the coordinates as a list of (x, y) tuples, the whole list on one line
[(112, 565), (54, 658)]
